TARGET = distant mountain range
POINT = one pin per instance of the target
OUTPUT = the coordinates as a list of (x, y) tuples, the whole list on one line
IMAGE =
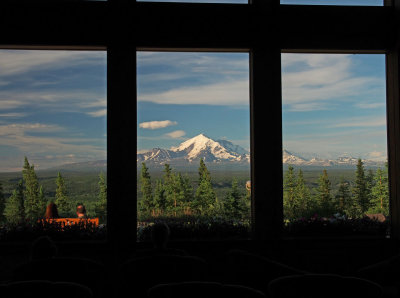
[(213, 152), (223, 151), (289, 158)]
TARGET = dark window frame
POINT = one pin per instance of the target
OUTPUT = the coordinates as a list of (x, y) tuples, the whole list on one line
[(264, 28)]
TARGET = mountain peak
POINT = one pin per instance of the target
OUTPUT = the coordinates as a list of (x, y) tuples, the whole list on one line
[(198, 147)]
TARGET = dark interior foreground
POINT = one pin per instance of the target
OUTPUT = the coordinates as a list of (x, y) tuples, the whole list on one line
[(265, 29)]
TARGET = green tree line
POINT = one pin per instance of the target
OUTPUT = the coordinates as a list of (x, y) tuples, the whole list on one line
[(369, 194), (174, 195), (27, 202)]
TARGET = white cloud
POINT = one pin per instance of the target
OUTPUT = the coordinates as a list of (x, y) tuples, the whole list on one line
[(370, 105), (310, 81), (225, 93), (99, 113), (157, 124), (362, 122), (12, 115), (176, 134), (15, 62), (21, 129)]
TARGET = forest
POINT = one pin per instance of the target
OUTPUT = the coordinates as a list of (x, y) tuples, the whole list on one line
[(23, 198), (352, 194)]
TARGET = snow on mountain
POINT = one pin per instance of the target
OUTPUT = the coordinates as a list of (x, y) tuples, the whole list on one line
[(156, 155), (343, 160), (198, 147), (202, 146), (213, 151), (232, 147), (289, 158)]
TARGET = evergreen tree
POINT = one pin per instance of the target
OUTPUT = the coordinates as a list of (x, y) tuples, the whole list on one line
[(205, 199), (203, 171), (146, 204), (42, 203), (14, 211), (234, 205), (324, 198), (187, 193), (380, 193), (2, 204), (344, 204), (289, 194), (61, 199), (101, 205), (303, 197), (360, 190), (33, 205), (160, 199)]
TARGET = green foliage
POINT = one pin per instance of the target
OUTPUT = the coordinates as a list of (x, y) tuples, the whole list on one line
[(234, 204), (344, 202), (303, 194), (196, 227), (61, 198), (14, 210), (146, 204), (290, 201), (35, 203), (323, 197), (2, 204), (101, 204), (160, 199), (205, 199), (380, 193), (360, 190)]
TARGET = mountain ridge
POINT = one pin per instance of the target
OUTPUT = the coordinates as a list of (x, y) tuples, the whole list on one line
[(224, 151)]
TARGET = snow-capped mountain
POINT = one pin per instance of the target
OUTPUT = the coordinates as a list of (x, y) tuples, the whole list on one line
[(289, 158), (196, 148), (223, 151), (343, 160)]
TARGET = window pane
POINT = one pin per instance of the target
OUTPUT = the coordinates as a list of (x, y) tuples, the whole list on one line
[(200, 1), (52, 126), (334, 139), (193, 116), (335, 2)]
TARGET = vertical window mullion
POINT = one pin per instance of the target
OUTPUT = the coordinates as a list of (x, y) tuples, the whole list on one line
[(266, 125)]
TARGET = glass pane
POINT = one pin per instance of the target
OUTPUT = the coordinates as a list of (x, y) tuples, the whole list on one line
[(335, 2), (200, 1), (193, 143), (335, 141), (52, 138)]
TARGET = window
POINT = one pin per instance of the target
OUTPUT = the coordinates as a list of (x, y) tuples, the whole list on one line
[(194, 142), (53, 134), (334, 138), (334, 2), (161, 27), (200, 1)]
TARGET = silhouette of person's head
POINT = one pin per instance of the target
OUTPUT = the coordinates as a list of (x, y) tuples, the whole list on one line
[(51, 211), (81, 211), (160, 235), (43, 247)]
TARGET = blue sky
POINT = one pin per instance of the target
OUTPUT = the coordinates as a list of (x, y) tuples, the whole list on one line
[(52, 107), (181, 95), (335, 2), (305, 2), (53, 103), (334, 105)]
